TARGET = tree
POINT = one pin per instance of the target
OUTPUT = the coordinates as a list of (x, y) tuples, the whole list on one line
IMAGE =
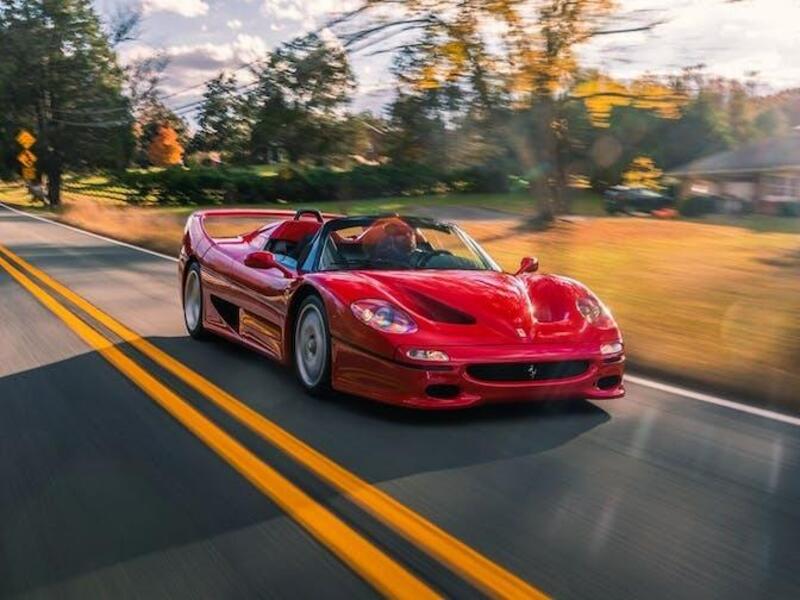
[(151, 116), (364, 137), (422, 116), (60, 78), (740, 118), (222, 120), (165, 150), (534, 55), (298, 100)]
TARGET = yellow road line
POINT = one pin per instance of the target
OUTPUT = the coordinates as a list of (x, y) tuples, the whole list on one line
[(377, 568), (461, 558)]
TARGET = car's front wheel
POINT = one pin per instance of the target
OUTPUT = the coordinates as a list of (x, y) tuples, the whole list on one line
[(193, 302), (312, 347)]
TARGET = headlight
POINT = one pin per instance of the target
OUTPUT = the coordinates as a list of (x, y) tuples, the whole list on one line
[(383, 316), (611, 348), (590, 308)]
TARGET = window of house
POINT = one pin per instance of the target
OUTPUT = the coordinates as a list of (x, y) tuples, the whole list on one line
[(782, 187)]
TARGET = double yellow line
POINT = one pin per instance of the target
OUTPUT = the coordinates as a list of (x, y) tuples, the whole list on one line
[(381, 571)]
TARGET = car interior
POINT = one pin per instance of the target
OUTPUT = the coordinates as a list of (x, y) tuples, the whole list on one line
[(289, 239)]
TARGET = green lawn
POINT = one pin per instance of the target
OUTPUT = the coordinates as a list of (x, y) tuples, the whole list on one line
[(762, 223), (512, 204), (99, 188)]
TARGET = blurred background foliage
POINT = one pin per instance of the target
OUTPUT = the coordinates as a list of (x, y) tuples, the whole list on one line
[(523, 109)]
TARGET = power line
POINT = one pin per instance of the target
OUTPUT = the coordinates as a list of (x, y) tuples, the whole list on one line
[(179, 111), (89, 111), (202, 83)]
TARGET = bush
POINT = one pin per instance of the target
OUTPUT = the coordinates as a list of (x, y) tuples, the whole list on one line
[(204, 185), (697, 206), (789, 209), (482, 180)]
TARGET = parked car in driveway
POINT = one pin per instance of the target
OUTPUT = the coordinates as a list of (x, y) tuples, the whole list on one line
[(620, 198)]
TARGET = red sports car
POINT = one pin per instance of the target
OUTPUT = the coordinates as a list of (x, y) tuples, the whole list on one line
[(403, 310)]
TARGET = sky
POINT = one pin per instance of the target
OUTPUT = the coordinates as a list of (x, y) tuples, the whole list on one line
[(731, 38)]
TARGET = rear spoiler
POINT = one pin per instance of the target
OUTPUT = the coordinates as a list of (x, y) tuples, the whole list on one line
[(277, 214), (195, 228)]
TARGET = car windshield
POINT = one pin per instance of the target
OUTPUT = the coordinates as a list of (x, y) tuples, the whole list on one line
[(399, 243)]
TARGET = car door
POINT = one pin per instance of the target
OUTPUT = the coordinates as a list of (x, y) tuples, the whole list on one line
[(262, 297)]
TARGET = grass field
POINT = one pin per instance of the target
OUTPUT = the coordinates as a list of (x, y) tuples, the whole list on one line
[(712, 303)]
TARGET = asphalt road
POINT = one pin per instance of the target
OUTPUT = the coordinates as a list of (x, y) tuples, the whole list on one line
[(104, 494)]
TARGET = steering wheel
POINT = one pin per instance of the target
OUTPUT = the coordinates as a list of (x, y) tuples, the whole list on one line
[(425, 258)]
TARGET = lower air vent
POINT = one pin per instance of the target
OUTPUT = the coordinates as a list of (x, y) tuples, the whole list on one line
[(228, 311), (442, 391), (528, 371), (609, 382)]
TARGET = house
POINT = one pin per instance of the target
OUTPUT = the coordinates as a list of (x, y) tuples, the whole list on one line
[(764, 173)]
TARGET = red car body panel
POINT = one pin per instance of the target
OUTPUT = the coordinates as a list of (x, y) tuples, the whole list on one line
[(480, 319)]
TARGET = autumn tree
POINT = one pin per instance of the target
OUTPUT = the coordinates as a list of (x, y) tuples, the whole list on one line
[(643, 173), (525, 48), (150, 116), (165, 150)]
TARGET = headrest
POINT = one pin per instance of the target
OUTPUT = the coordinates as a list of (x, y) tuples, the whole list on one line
[(295, 231)]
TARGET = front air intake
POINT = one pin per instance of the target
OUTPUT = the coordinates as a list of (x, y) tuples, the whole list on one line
[(528, 371)]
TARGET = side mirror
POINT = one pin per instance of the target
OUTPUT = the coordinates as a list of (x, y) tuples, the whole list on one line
[(265, 260), (529, 264)]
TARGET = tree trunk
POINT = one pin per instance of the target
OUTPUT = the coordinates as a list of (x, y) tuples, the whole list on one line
[(54, 185), (545, 187), (545, 202)]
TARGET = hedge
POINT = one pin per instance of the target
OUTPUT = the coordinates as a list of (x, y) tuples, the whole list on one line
[(204, 185), (697, 206)]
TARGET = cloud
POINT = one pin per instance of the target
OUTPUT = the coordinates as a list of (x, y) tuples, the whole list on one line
[(186, 8), (249, 47), (244, 48), (193, 64), (303, 12), (234, 24)]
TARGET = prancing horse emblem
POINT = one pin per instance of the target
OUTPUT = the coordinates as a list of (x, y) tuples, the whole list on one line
[(532, 371)]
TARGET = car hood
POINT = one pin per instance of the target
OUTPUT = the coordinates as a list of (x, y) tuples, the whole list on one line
[(473, 307)]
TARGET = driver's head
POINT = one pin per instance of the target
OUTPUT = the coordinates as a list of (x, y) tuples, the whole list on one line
[(390, 238)]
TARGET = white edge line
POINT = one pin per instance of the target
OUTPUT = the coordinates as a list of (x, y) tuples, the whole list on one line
[(89, 233), (745, 408), (656, 385)]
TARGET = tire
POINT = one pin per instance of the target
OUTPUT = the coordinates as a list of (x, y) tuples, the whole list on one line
[(312, 347), (193, 302)]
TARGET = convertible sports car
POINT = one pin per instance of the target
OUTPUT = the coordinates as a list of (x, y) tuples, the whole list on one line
[(403, 310)]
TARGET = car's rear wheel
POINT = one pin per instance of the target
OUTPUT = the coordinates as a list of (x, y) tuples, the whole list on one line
[(312, 347), (193, 302)]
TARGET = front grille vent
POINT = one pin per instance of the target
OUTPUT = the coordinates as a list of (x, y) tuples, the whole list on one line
[(528, 371)]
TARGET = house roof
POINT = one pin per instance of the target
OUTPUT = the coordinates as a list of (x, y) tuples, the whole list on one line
[(767, 155)]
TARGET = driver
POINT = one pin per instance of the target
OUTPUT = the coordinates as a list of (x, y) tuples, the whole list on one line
[(390, 239)]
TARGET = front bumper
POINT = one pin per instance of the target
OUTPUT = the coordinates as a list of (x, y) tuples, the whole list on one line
[(450, 386)]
